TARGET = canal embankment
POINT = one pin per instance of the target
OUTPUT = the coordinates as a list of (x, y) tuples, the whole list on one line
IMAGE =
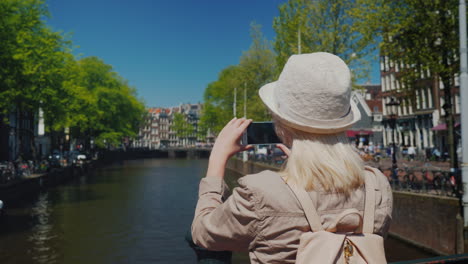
[(13, 190), (427, 221)]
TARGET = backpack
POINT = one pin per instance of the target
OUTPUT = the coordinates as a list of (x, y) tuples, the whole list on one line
[(326, 246)]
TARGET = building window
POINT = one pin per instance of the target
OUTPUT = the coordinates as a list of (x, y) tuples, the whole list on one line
[(424, 97), (418, 100), (430, 102)]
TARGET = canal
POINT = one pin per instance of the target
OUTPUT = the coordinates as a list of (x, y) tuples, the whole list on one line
[(134, 212)]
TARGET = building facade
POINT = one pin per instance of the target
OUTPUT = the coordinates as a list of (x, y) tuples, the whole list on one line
[(158, 130), (368, 130), (22, 134), (420, 115)]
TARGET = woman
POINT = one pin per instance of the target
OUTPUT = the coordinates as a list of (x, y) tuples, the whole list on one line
[(311, 107)]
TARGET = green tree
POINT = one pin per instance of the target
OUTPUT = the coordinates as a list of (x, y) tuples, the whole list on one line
[(322, 25), (19, 21), (181, 126), (37, 70), (256, 67), (103, 105), (422, 38), (32, 63)]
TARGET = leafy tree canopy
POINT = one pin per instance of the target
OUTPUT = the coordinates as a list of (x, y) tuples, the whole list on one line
[(257, 67), (322, 25), (38, 70)]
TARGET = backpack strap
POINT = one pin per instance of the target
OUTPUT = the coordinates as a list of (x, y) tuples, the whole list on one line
[(369, 207), (308, 208)]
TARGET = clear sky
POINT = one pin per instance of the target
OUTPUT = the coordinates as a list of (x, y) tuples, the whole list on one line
[(169, 50)]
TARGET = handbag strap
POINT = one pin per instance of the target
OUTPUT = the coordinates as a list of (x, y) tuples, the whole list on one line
[(313, 217)]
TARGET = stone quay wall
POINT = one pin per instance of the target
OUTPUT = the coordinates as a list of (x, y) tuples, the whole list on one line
[(426, 221), (16, 190)]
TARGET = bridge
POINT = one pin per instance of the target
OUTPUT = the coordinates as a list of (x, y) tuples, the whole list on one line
[(189, 153), (172, 152)]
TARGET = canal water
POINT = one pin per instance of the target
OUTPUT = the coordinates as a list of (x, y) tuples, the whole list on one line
[(133, 212)]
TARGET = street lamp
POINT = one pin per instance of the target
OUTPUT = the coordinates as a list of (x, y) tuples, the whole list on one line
[(392, 108)]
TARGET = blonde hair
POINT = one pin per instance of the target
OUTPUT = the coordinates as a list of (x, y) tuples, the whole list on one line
[(321, 162)]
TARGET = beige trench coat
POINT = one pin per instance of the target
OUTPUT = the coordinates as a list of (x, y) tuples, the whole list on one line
[(263, 217)]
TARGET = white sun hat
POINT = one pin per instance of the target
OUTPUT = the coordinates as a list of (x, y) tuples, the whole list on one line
[(313, 94)]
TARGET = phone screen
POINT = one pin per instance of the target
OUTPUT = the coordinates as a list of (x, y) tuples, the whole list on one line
[(260, 133)]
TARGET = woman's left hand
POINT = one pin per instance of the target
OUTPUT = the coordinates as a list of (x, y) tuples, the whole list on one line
[(286, 150)]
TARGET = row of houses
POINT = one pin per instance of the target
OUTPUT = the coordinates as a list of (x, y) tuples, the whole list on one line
[(158, 130), (418, 121)]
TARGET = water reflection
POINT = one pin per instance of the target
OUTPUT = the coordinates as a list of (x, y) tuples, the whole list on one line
[(134, 212), (41, 233)]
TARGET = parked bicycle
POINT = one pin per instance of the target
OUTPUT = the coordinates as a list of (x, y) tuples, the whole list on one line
[(43, 166), (23, 170), (7, 172)]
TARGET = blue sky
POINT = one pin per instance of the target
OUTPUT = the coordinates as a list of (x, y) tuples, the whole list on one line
[(168, 50)]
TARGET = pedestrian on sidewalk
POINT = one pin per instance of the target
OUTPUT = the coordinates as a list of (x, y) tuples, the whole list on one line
[(436, 154), (311, 109), (411, 152), (389, 151)]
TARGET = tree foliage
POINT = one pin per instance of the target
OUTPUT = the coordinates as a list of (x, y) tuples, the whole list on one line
[(421, 39), (322, 25), (180, 125), (32, 57), (103, 105), (256, 67), (38, 70), (418, 35)]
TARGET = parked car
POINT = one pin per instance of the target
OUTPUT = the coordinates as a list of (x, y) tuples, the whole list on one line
[(55, 159), (76, 158)]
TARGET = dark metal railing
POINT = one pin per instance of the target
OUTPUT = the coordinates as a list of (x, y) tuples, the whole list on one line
[(418, 177)]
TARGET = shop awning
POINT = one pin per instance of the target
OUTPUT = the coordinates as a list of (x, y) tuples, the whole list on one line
[(356, 133), (443, 126)]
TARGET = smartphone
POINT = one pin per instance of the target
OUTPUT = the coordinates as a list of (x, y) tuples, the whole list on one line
[(260, 133)]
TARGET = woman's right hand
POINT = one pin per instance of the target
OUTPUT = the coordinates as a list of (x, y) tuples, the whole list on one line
[(227, 144), (228, 141)]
